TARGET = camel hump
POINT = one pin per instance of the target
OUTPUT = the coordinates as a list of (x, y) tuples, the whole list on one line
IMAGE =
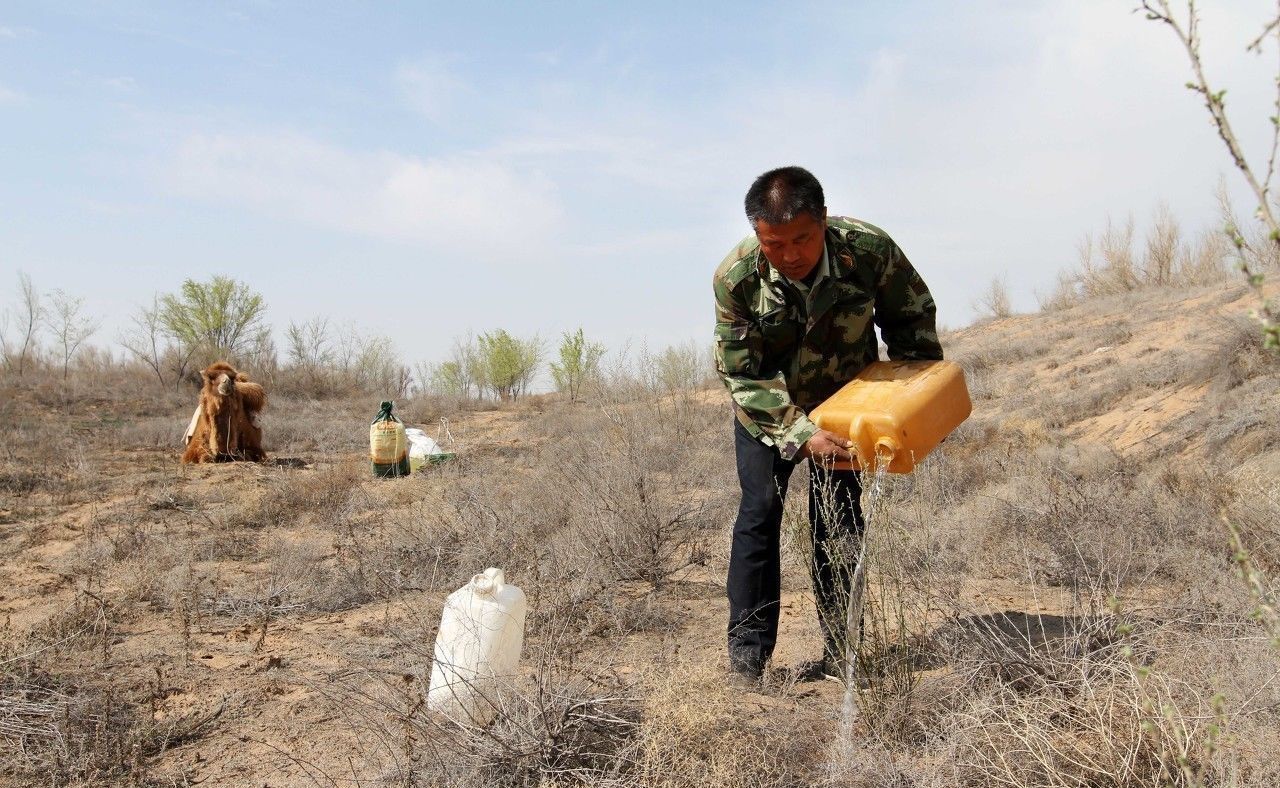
[(252, 396)]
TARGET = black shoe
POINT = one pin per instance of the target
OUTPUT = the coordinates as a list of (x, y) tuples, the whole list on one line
[(838, 670), (745, 670), (746, 681), (833, 669), (747, 664)]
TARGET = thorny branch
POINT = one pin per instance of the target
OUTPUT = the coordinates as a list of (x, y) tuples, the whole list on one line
[(1267, 314)]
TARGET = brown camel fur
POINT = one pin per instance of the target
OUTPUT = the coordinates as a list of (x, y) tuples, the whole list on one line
[(224, 424)]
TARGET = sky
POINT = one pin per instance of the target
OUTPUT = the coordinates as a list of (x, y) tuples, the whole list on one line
[(424, 170)]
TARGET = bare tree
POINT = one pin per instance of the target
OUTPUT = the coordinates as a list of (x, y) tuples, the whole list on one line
[(311, 351), (459, 376), (30, 316), (4, 339), (1164, 241), (145, 338), (65, 317), (148, 341), (995, 301), (1187, 30)]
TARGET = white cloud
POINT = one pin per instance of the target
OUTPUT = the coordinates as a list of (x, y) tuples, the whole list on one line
[(465, 203), (7, 31), (10, 96), (431, 88), (121, 84), (986, 149)]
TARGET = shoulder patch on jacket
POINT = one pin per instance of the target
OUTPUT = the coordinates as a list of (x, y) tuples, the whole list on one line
[(739, 263), (860, 234)]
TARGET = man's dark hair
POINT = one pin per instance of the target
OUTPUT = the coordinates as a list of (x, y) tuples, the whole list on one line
[(780, 195)]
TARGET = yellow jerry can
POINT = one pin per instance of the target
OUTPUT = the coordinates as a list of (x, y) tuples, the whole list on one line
[(895, 412)]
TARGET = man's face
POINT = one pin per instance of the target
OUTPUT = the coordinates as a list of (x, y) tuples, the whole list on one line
[(794, 248)]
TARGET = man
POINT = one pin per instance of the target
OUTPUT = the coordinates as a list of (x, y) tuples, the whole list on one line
[(795, 303)]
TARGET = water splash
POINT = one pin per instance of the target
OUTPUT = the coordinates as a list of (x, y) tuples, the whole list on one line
[(853, 610)]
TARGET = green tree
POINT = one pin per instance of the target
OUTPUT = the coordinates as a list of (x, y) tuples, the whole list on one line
[(579, 363), (506, 364), (449, 378), (221, 318)]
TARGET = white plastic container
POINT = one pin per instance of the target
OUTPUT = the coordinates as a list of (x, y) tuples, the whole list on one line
[(423, 450), (477, 647)]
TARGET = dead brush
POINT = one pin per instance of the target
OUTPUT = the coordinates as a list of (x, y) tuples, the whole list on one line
[(1236, 356), (66, 727), (1074, 705), (271, 604), (694, 733), (1094, 517), (637, 497), (326, 494), (880, 627), (563, 722), (568, 720), (61, 731)]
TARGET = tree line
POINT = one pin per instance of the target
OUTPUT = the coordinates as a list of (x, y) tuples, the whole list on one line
[(177, 334)]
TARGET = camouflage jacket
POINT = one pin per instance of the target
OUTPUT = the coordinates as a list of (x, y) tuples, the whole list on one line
[(780, 353)]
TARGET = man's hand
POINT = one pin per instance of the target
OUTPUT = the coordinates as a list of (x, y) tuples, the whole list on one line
[(827, 446)]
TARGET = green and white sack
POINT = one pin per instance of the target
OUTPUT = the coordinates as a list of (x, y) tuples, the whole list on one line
[(388, 447)]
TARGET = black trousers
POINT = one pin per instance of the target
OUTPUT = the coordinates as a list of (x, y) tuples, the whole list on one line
[(755, 567)]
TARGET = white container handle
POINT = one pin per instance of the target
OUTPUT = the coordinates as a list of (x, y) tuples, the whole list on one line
[(489, 582)]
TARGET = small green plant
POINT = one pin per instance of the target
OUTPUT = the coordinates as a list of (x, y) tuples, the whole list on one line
[(507, 364), (579, 363), (1265, 610)]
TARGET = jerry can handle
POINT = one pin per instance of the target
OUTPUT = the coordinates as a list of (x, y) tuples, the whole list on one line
[(489, 582)]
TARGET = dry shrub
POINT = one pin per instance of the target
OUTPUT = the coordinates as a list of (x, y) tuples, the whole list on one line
[(1089, 519), (1112, 266), (1093, 697), (570, 720), (64, 732), (60, 727), (637, 504), (295, 426), (694, 733), (1237, 356), (1098, 724), (994, 302), (564, 721), (326, 495)]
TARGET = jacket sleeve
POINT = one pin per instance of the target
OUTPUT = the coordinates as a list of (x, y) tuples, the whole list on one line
[(765, 401), (905, 311)]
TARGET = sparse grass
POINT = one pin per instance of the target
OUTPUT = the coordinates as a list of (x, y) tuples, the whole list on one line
[(240, 624)]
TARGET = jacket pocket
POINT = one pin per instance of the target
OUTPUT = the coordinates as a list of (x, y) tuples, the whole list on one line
[(733, 349)]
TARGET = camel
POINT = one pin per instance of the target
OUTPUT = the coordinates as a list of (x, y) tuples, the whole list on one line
[(224, 428)]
